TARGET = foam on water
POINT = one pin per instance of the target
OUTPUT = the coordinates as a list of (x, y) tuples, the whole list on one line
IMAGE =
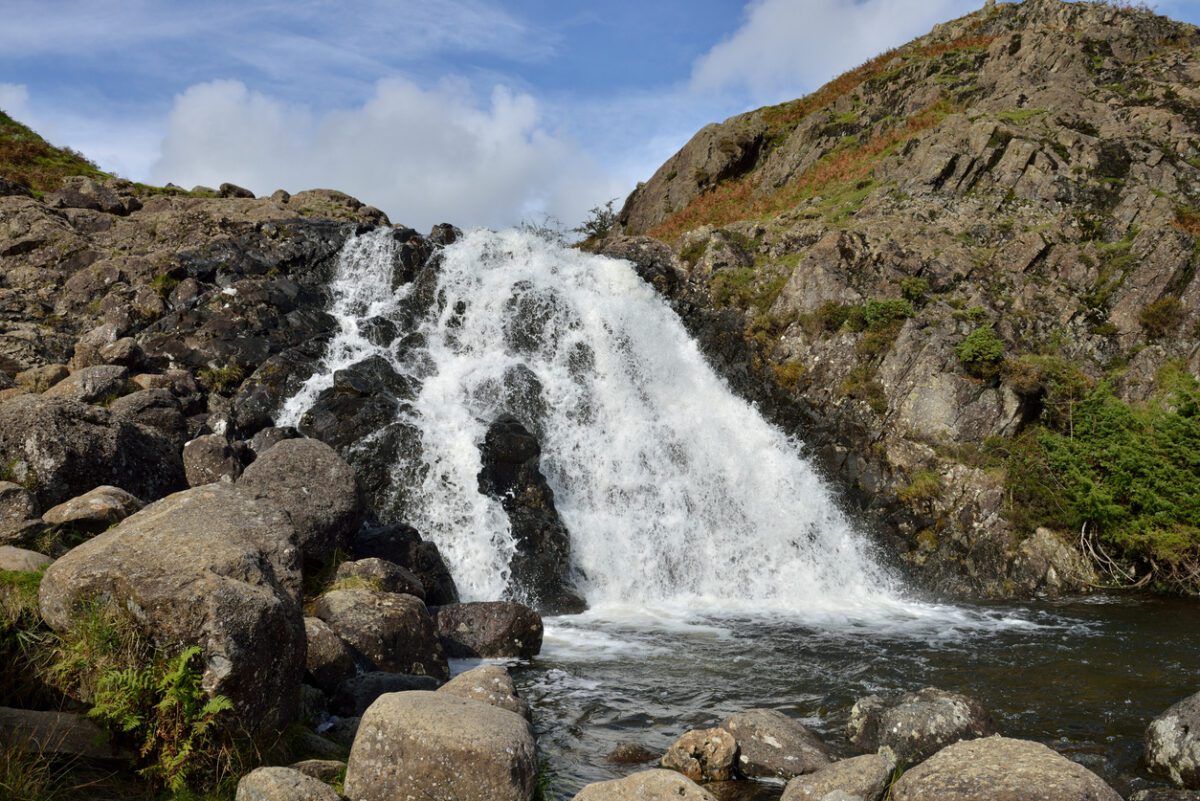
[(678, 495)]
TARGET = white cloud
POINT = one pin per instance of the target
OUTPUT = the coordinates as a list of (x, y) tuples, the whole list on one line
[(786, 48), (422, 155), (14, 99)]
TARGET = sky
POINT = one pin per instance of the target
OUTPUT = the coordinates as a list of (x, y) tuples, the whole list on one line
[(475, 112)]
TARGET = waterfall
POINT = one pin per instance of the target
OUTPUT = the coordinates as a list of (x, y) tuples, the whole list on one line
[(675, 491)]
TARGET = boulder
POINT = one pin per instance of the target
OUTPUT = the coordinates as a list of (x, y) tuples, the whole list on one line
[(489, 629), (61, 733), (917, 725), (434, 745), (328, 660), (95, 510), (326, 770), (356, 694), (17, 505), (81, 192), (210, 458), (209, 566), (772, 744), (648, 785), (317, 488), (65, 448), (704, 755), (999, 769), (386, 631), (541, 564), (402, 545), (124, 351), (40, 379), (863, 778), (157, 408), (282, 784), (268, 438), (1165, 794), (233, 190), (104, 382), (490, 684), (19, 560), (379, 574), (1173, 743)]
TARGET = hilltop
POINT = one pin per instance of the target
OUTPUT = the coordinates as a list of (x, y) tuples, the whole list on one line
[(965, 273)]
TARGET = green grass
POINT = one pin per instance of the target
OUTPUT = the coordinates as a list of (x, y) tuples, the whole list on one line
[(981, 352), (31, 161), (923, 485), (746, 288), (1020, 116)]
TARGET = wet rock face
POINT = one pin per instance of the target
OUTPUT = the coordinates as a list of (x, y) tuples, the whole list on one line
[(464, 749), (385, 631), (999, 769), (541, 569), (1173, 743), (917, 725), (402, 545), (489, 629)]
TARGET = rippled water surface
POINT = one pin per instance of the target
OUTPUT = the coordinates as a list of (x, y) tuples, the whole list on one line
[(1084, 677)]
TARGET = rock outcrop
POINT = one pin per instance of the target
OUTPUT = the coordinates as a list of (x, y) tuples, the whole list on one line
[(917, 725), (489, 629)]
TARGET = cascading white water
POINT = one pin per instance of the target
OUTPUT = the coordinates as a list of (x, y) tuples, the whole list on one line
[(675, 491)]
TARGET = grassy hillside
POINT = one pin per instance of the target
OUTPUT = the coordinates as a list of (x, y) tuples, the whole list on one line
[(31, 161)]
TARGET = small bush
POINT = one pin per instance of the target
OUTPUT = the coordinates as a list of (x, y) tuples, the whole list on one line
[(880, 312), (981, 352), (788, 374), (914, 289), (1162, 317), (599, 222)]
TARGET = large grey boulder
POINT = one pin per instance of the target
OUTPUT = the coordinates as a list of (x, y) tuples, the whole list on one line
[(1173, 743), (419, 745), (211, 567), (1000, 769), (61, 733), (648, 785), (489, 629), (704, 755), (317, 488), (64, 448), (863, 778), (386, 631), (490, 684), (91, 384), (772, 744), (917, 725), (156, 408), (328, 660), (20, 560), (95, 510), (282, 784), (81, 192)]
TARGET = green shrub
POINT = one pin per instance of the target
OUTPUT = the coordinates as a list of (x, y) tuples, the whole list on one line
[(1058, 384), (221, 379), (1162, 317), (880, 312), (788, 374), (599, 222), (981, 352), (914, 289), (1130, 473)]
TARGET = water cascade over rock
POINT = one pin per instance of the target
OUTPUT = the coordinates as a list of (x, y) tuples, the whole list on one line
[(674, 491)]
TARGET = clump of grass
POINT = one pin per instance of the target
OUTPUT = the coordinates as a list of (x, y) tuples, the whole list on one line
[(222, 380), (861, 384), (1020, 116), (746, 288), (923, 485), (788, 374), (1162, 317), (914, 289), (164, 284)]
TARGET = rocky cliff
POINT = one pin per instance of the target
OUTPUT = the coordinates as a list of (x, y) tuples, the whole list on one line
[(965, 273)]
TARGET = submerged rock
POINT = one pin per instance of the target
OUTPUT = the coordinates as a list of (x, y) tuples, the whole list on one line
[(1173, 743), (1000, 769), (772, 744), (433, 745), (704, 755), (917, 725), (648, 785)]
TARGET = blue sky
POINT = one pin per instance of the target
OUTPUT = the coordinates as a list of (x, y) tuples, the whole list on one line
[(479, 112)]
